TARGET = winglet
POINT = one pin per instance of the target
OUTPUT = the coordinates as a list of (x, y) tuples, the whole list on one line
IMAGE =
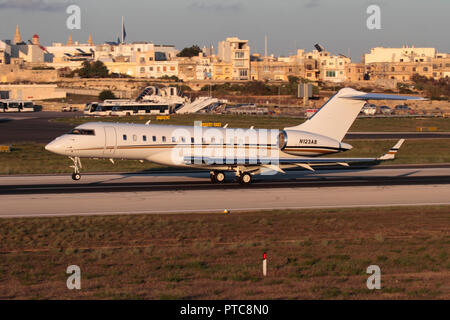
[(390, 155)]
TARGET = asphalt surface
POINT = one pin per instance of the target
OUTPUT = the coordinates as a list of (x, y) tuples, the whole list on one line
[(33, 127), (37, 127), (191, 192), (191, 180)]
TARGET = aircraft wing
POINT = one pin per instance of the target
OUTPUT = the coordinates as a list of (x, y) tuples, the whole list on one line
[(275, 163)]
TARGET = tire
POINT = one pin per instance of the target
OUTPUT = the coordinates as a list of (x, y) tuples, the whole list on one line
[(245, 178), (76, 176), (219, 177)]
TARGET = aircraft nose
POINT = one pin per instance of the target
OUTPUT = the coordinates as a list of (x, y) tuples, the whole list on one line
[(53, 146)]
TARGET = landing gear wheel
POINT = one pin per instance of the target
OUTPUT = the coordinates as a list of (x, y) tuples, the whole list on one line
[(76, 176), (245, 178), (217, 176), (220, 176)]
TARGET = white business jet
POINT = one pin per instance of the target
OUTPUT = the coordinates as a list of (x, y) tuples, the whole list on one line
[(247, 152)]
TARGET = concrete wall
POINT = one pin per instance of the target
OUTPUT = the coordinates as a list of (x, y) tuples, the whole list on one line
[(13, 74), (33, 91)]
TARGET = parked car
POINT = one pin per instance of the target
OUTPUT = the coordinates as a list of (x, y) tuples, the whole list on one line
[(69, 109), (369, 109), (385, 110), (310, 112), (403, 109)]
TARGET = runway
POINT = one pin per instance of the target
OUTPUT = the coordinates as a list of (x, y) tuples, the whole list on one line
[(199, 180), (191, 192)]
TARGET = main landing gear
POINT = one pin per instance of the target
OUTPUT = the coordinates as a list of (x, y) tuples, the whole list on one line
[(244, 178), (217, 176), (76, 175)]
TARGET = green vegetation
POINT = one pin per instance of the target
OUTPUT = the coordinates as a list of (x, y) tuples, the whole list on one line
[(172, 78), (280, 122), (258, 88), (190, 51), (436, 89), (399, 124), (34, 159), (312, 254), (42, 68), (106, 94), (412, 151), (96, 69)]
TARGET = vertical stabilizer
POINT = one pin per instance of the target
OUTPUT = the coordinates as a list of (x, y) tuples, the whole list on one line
[(335, 117)]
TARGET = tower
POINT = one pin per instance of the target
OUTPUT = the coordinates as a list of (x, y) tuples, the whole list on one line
[(36, 39), (265, 46), (90, 42), (17, 36), (69, 41)]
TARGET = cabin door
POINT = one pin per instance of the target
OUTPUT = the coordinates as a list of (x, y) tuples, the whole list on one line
[(110, 141)]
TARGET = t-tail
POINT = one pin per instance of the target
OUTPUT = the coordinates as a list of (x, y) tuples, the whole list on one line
[(337, 115)]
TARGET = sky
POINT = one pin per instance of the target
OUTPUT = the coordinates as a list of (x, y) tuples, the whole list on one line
[(338, 25)]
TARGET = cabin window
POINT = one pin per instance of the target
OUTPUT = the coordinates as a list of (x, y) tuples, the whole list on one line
[(213, 140), (174, 139), (192, 140), (154, 138), (183, 139), (134, 137), (83, 132), (163, 138), (144, 138), (124, 137)]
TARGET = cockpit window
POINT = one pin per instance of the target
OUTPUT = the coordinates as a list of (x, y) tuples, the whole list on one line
[(83, 132)]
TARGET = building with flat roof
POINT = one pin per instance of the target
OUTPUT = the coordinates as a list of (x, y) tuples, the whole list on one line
[(5, 52), (404, 54), (237, 52)]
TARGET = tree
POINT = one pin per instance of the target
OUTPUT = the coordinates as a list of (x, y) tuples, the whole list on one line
[(190, 52), (96, 69), (106, 94)]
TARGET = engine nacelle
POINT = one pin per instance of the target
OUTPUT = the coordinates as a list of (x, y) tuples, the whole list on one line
[(302, 143)]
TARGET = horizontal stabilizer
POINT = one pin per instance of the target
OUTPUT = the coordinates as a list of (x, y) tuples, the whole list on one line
[(381, 96)]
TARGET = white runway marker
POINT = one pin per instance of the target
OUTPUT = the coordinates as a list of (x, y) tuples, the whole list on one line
[(265, 264)]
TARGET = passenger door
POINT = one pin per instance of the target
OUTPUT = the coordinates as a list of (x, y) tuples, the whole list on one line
[(110, 141)]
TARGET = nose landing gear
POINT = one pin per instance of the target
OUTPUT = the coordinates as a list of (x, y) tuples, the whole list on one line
[(76, 168)]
